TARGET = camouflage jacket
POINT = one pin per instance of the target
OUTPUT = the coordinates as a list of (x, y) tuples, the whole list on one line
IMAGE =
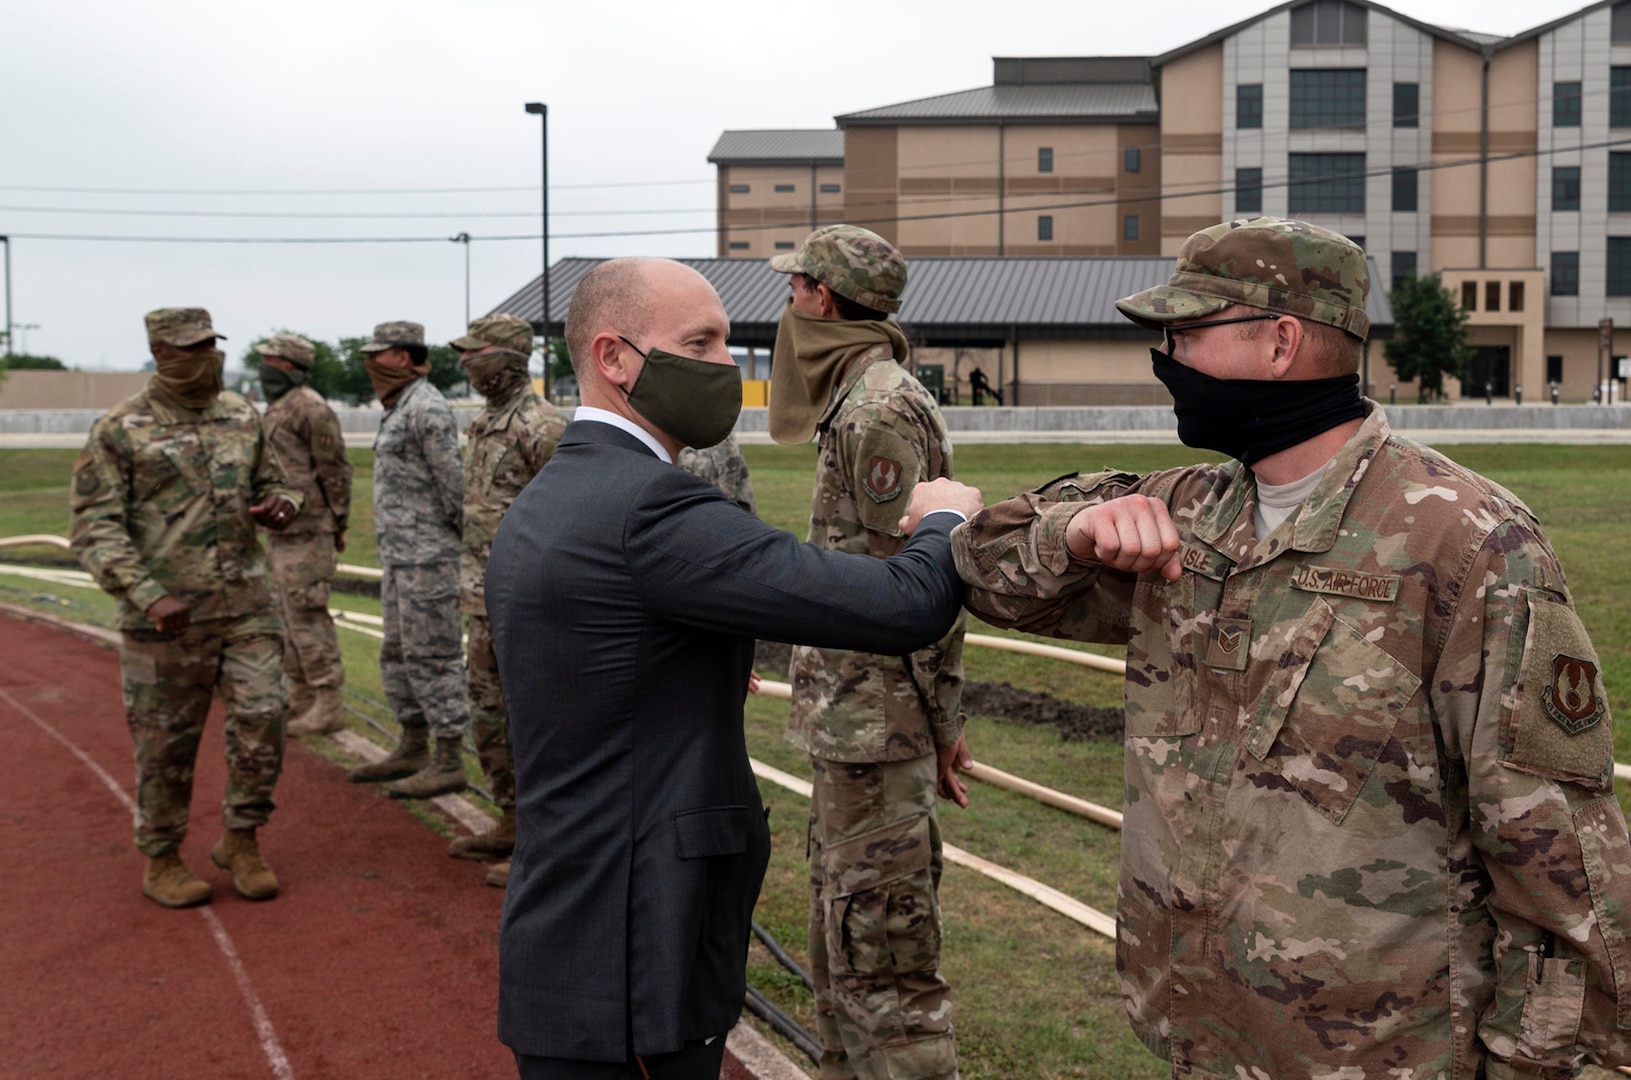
[(1370, 826), (724, 467), (305, 433), (161, 502), (418, 481), (882, 434), (509, 443)]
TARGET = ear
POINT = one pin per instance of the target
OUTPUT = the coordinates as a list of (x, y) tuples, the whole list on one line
[(829, 306), (1288, 343), (606, 350)]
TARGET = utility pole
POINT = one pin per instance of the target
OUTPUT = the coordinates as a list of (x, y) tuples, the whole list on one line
[(540, 110), (464, 238), (7, 241)]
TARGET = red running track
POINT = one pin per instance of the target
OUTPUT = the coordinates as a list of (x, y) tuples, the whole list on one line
[(379, 958)]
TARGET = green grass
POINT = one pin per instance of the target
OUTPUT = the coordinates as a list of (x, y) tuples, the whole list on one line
[(1035, 993)]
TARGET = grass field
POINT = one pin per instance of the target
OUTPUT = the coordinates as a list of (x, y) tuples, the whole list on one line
[(1036, 993)]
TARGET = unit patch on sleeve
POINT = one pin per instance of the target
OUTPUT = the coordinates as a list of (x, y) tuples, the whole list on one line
[(1571, 700), (882, 480)]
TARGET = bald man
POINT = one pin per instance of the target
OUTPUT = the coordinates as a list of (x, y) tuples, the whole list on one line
[(624, 633)]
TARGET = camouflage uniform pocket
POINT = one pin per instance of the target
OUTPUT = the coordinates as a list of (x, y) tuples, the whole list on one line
[(1554, 998), (882, 915)]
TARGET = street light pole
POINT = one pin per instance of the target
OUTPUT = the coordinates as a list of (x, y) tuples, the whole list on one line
[(7, 241), (464, 238), (541, 110)]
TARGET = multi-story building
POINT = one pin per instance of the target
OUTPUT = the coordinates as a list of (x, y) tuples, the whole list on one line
[(1503, 164), (775, 186)]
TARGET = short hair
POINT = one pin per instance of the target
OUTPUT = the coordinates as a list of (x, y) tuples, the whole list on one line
[(1332, 350), (418, 354), (848, 310), (613, 296)]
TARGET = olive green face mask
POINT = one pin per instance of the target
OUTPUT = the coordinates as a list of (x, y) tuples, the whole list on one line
[(693, 401), (275, 382)]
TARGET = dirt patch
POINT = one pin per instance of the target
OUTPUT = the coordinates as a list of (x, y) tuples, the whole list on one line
[(997, 701)]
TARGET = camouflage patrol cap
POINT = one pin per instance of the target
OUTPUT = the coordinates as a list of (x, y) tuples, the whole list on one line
[(180, 326), (1271, 263), (291, 347), (853, 262), (395, 335), (505, 331)]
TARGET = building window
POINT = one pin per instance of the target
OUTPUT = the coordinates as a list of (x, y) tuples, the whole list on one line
[(1619, 97), (1248, 191), (1404, 265), (1129, 159), (1565, 273), (1620, 26), (784, 189), (1619, 181), (739, 189), (1326, 184), (1249, 105), (1469, 296), (1404, 191), (1514, 296), (830, 189), (739, 245), (1129, 227), (1044, 159), (1619, 266), (1044, 227), (1565, 104), (1328, 22), (1554, 369), (1492, 296), (1328, 98), (1406, 104), (1566, 187), (785, 245)]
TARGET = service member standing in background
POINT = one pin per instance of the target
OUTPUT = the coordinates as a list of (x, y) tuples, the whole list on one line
[(306, 435), (418, 511), (723, 466), (166, 496), (883, 732), (510, 439)]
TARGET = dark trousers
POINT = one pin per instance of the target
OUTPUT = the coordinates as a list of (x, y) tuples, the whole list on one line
[(693, 1061)]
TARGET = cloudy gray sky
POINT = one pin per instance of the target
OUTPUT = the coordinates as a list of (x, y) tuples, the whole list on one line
[(300, 113)]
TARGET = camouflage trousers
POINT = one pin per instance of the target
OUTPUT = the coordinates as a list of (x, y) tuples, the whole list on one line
[(302, 567), (487, 720), (882, 1009), (168, 682), (421, 660)]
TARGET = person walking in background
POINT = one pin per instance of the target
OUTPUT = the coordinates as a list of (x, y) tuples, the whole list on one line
[(166, 497), (305, 434), (418, 514)]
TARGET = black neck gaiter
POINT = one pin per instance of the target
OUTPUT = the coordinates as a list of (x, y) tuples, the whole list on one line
[(1251, 419)]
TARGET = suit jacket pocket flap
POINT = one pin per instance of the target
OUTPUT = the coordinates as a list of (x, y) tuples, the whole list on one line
[(713, 830)]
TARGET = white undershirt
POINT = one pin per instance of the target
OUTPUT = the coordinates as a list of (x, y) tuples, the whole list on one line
[(1277, 502), (589, 412)]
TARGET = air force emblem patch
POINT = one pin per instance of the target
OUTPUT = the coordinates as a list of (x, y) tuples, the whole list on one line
[(882, 481), (1571, 700)]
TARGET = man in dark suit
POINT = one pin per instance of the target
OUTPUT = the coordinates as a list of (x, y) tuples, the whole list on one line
[(625, 595)]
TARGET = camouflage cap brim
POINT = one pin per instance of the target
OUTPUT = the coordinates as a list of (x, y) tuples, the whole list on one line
[(193, 337), (469, 343), (1156, 307), (378, 346), (787, 264)]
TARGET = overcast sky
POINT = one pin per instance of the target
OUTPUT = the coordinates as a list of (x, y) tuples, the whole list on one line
[(270, 103)]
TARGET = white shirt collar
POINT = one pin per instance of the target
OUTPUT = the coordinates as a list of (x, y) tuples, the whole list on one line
[(589, 412)]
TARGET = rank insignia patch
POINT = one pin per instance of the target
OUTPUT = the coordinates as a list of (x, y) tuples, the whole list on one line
[(1571, 699)]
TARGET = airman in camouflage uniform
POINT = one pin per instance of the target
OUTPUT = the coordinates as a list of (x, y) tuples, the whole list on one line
[(418, 514), (305, 433), (723, 466), (166, 496), (882, 732), (509, 441), (1370, 827)]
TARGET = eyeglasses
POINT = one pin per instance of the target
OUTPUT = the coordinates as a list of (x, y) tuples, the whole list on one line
[(1168, 331)]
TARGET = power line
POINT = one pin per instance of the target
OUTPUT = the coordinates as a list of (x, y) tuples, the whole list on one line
[(341, 191)]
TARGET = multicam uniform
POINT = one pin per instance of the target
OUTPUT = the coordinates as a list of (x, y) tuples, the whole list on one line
[(871, 725), (723, 466), (418, 492), (1369, 818), (509, 442), (305, 433), (160, 507)]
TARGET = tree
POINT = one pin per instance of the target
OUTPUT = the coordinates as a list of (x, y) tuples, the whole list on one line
[(25, 362), (1429, 335)]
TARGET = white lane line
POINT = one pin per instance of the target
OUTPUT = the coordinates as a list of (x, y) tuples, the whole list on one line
[(275, 1057)]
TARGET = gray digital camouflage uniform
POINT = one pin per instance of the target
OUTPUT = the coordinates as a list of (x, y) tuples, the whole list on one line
[(160, 506), (723, 466), (418, 514), (1370, 829)]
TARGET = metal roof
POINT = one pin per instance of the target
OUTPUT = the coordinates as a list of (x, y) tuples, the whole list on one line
[(780, 147), (1464, 38), (1042, 102), (948, 300)]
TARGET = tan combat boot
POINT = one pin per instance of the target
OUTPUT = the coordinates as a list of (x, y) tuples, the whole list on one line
[(238, 852), (410, 755), (496, 843), (169, 882), (443, 775), (498, 874), (323, 715)]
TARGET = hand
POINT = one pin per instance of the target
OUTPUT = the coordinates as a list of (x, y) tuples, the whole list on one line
[(940, 494), (275, 513), (954, 759), (1133, 533), (170, 615), (339, 542), (753, 682)]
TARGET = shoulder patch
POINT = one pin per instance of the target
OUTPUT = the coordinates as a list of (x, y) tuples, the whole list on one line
[(882, 480), (1558, 725), (1570, 699)]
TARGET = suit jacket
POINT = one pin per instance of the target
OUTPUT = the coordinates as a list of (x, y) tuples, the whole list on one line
[(625, 595)]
